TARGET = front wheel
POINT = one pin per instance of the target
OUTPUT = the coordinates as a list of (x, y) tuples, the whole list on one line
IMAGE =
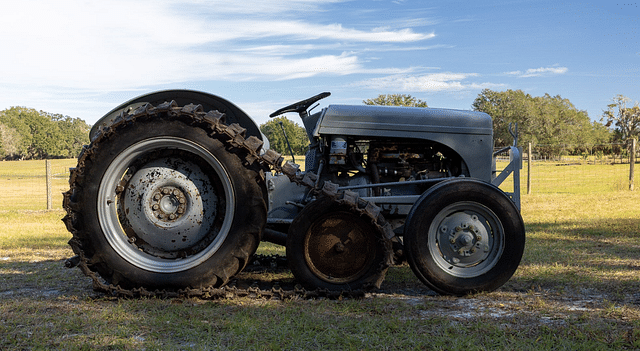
[(464, 236)]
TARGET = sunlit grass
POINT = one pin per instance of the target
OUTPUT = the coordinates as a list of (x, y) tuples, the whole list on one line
[(576, 242), (575, 239), (24, 184)]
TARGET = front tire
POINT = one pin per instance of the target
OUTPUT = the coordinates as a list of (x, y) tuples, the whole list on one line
[(163, 205), (464, 236)]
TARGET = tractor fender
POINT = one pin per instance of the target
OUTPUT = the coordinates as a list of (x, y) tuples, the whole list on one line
[(184, 97)]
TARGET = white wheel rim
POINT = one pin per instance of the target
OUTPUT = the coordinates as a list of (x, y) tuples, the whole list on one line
[(195, 219)]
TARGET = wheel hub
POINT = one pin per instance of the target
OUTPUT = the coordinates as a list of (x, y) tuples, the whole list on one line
[(168, 203), (169, 207), (463, 239)]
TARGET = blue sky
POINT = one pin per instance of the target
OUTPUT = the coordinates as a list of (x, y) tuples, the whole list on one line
[(82, 58)]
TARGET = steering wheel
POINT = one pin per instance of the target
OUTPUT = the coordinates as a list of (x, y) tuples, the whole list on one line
[(300, 106)]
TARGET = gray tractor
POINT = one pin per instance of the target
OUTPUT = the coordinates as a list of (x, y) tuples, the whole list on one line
[(178, 188)]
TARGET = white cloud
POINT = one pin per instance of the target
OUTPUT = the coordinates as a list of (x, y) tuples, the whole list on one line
[(308, 31), (435, 82), (261, 7), (388, 48), (126, 44), (537, 72), (82, 57)]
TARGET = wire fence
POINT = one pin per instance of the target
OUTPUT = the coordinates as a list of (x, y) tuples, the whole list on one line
[(591, 171), (26, 186), (570, 176)]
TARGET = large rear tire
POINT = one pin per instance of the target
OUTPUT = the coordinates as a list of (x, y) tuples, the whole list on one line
[(464, 236), (164, 205)]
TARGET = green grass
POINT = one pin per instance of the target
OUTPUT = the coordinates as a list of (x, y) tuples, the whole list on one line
[(576, 288), (25, 184), (582, 240)]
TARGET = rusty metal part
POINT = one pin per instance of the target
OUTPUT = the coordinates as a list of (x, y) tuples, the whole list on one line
[(168, 202), (339, 247)]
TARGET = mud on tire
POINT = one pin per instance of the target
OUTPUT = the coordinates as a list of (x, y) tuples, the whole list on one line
[(331, 246), (164, 202)]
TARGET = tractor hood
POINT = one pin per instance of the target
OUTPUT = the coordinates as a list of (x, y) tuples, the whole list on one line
[(469, 133), (410, 122)]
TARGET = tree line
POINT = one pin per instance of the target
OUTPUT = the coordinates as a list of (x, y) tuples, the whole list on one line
[(556, 126), (552, 123), (26, 133)]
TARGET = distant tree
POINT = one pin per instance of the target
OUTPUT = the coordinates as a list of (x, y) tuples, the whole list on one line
[(396, 100), (626, 119), (546, 120), (46, 136), (511, 106), (74, 133), (10, 141), (14, 120), (295, 133), (31, 134), (627, 122)]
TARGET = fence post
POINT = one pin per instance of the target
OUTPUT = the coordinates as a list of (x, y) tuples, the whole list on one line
[(49, 199), (632, 161), (529, 170)]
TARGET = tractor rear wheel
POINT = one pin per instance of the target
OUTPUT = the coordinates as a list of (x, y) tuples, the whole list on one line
[(464, 236), (164, 205)]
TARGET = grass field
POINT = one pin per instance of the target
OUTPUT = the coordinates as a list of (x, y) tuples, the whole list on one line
[(578, 286), (27, 183)]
